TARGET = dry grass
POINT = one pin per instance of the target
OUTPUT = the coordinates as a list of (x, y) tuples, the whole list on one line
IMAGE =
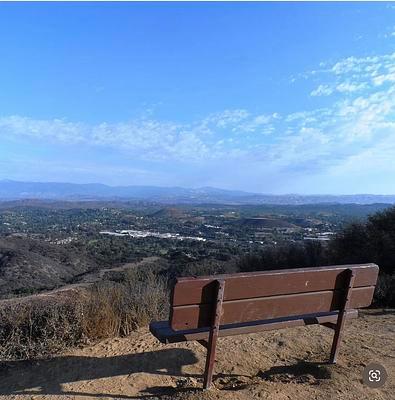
[(116, 309), (49, 325), (29, 330)]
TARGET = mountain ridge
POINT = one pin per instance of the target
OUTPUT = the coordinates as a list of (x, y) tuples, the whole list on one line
[(18, 190)]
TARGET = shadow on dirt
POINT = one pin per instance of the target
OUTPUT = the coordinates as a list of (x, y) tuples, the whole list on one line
[(301, 372), (47, 376), (379, 312)]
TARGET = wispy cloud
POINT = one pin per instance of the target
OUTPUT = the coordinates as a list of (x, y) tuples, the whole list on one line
[(356, 123), (360, 120), (212, 137), (322, 90)]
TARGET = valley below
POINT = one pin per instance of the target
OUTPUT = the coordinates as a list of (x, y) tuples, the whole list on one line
[(44, 246)]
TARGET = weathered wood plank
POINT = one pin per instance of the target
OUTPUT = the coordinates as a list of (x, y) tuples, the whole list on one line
[(239, 311), (197, 290)]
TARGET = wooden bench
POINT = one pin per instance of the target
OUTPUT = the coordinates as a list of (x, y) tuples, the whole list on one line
[(205, 308)]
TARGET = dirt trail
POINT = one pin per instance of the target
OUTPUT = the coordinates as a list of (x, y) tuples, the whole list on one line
[(82, 282), (99, 275), (279, 365)]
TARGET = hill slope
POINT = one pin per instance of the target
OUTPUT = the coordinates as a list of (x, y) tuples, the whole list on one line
[(261, 222), (27, 265)]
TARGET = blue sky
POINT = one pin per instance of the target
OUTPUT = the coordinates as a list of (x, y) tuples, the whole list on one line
[(263, 97)]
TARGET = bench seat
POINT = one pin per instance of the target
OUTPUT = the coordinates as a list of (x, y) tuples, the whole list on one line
[(165, 334)]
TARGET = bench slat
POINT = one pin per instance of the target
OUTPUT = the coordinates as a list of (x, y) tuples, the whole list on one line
[(164, 333), (239, 311), (197, 290)]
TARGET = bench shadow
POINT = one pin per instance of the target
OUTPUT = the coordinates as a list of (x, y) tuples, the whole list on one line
[(300, 372), (379, 312), (46, 377)]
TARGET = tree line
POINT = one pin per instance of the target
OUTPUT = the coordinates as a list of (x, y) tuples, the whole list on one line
[(372, 241)]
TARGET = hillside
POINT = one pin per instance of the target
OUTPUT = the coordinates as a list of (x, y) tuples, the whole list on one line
[(261, 222), (170, 212), (28, 265), (277, 365)]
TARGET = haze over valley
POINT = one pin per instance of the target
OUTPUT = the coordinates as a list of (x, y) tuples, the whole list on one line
[(14, 190)]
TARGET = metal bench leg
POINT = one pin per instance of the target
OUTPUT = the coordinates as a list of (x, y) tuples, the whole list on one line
[(341, 318), (213, 337)]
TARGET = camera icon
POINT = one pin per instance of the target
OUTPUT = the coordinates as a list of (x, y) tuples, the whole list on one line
[(374, 375)]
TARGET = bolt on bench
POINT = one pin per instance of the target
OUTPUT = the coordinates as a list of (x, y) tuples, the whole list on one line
[(205, 308)]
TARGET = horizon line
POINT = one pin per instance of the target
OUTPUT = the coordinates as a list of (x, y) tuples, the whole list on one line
[(194, 188)]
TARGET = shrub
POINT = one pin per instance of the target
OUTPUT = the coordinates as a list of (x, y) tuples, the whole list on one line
[(41, 327), (373, 241), (116, 309), (370, 242), (384, 295), (309, 254), (48, 325)]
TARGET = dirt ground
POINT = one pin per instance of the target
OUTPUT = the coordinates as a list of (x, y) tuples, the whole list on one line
[(285, 364)]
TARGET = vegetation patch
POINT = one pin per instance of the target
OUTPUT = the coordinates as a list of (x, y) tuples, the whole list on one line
[(50, 324)]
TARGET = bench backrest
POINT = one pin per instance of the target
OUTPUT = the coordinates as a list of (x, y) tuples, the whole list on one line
[(264, 295)]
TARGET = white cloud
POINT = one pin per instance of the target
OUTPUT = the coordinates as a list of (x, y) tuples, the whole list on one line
[(361, 116), (260, 123), (148, 139), (348, 87), (322, 90), (355, 74), (56, 129), (380, 79), (227, 118)]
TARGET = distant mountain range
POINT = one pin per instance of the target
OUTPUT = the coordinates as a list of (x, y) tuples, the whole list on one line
[(15, 190)]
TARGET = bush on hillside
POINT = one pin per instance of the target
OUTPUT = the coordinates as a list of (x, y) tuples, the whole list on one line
[(309, 254), (48, 325), (384, 295), (373, 241), (370, 242)]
